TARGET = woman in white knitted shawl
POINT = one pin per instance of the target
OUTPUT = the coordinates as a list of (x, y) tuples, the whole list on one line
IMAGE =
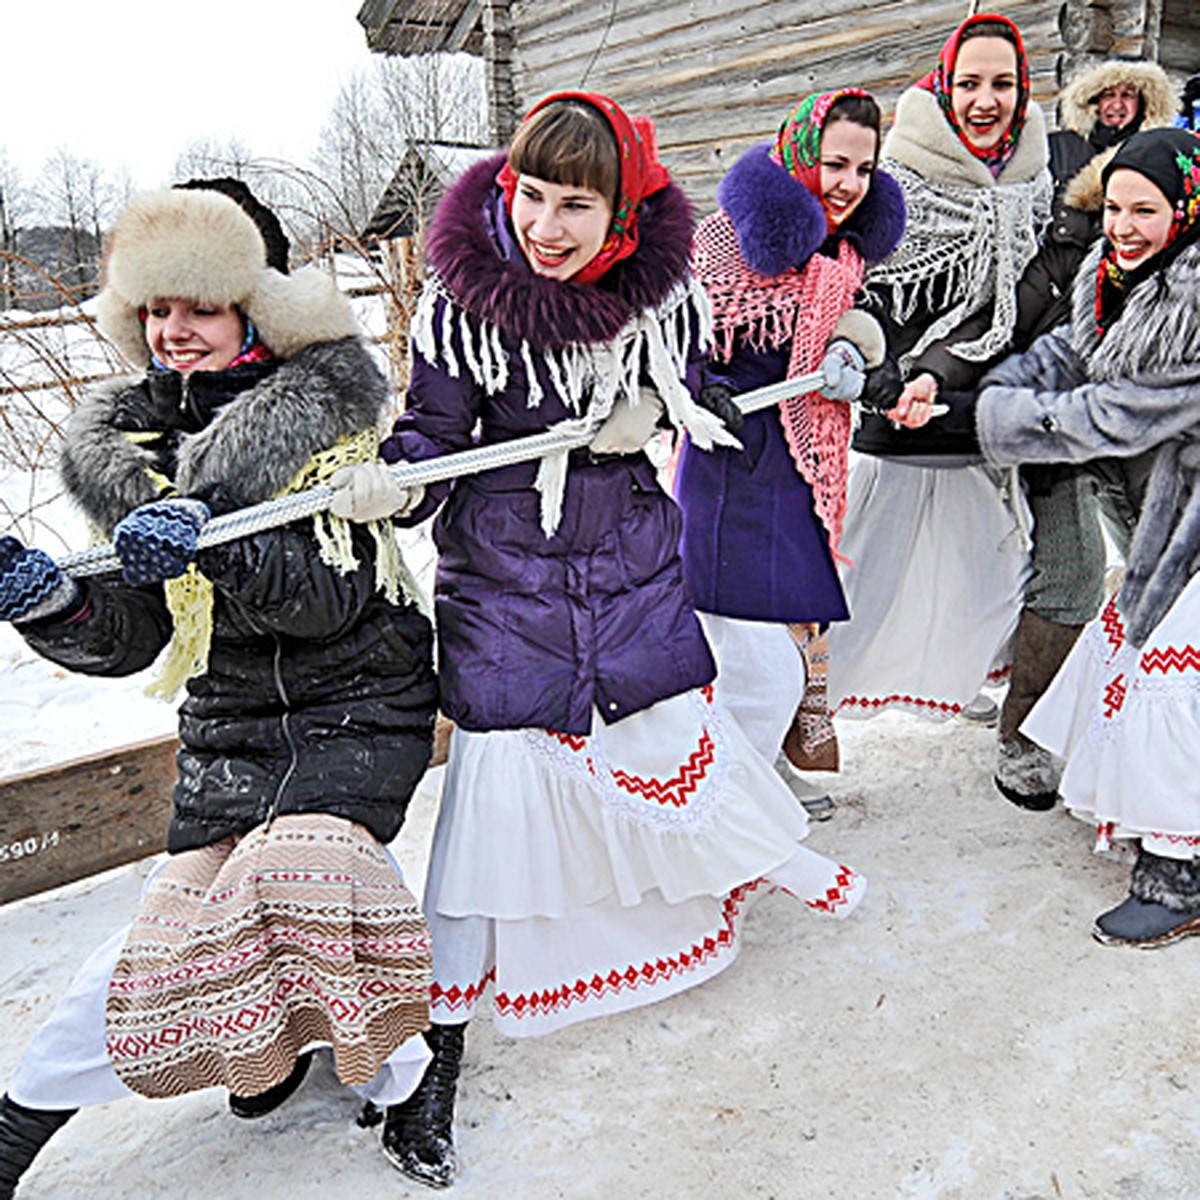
[(938, 543)]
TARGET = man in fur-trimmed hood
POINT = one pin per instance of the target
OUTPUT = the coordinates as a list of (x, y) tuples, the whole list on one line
[(1102, 107)]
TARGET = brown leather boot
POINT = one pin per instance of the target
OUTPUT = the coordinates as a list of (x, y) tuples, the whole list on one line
[(811, 743), (1027, 774)]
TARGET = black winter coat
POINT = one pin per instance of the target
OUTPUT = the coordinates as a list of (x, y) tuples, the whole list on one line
[(319, 694)]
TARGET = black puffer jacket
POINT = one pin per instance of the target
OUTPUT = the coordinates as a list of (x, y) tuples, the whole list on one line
[(319, 694)]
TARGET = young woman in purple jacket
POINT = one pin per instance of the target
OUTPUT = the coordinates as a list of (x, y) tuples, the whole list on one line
[(603, 821)]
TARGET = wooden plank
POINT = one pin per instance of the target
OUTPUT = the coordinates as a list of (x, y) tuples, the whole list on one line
[(69, 821), (84, 816)]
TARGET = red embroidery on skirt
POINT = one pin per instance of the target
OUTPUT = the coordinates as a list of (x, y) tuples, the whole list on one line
[(573, 741), (919, 702), (836, 895), (677, 790), (707, 692), (633, 977), (1168, 658), (455, 997), (1111, 623), (1114, 697)]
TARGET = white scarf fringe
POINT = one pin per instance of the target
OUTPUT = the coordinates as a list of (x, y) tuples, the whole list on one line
[(590, 378)]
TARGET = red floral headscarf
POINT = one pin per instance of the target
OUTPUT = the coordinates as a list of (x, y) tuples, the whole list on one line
[(640, 175), (798, 143), (940, 82)]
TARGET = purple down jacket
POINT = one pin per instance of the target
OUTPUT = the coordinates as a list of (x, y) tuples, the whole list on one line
[(539, 630)]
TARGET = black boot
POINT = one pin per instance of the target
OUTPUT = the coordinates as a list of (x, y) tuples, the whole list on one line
[(23, 1132), (418, 1135), (250, 1108)]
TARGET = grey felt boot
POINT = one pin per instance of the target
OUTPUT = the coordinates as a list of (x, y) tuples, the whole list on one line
[(1027, 774)]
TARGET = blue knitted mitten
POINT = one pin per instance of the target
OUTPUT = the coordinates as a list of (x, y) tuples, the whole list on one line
[(31, 585), (157, 541)]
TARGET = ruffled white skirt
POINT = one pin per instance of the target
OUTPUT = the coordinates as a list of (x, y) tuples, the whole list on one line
[(1127, 721), (940, 560), (586, 875)]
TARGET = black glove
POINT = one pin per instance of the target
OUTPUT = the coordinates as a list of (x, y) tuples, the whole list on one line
[(882, 387), (717, 398)]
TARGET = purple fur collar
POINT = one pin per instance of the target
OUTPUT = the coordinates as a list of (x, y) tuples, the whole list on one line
[(464, 252), (780, 224)]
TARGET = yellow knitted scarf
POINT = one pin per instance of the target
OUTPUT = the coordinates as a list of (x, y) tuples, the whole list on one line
[(190, 597)]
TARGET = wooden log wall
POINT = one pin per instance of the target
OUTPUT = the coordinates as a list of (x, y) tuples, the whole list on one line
[(717, 75)]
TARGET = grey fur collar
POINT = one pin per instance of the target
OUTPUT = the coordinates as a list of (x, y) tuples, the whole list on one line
[(1157, 330), (251, 450), (922, 139), (1155, 338)]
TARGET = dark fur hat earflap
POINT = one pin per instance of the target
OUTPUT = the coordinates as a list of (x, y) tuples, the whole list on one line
[(269, 227)]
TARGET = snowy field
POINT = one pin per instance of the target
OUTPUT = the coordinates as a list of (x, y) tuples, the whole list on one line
[(960, 1036)]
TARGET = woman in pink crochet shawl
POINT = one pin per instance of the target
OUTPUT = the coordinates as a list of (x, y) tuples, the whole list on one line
[(782, 261)]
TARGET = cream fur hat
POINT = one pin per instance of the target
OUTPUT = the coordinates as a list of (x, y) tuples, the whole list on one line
[(201, 245)]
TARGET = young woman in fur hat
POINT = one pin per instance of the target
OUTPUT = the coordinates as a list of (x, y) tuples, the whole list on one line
[(603, 821), (310, 689), (1122, 380), (782, 262), (940, 555), (1100, 110)]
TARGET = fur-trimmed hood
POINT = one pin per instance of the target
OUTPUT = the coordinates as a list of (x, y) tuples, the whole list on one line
[(1086, 191), (780, 224), (201, 245), (270, 420), (922, 140), (466, 249), (1077, 108)]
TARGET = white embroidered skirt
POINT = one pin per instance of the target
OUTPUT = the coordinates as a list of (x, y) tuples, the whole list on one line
[(1127, 721), (935, 590), (762, 677), (583, 876)]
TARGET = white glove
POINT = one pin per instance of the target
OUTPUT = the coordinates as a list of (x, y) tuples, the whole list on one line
[(369, 492), (629, 427), (845, 371)]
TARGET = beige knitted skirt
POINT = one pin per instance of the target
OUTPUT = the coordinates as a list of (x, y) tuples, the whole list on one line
[(245, 952)]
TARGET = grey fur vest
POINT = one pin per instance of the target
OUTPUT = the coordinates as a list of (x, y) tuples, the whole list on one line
[(1074, 397)]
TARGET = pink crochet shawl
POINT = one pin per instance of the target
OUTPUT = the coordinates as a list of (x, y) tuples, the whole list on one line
[(799, 308)]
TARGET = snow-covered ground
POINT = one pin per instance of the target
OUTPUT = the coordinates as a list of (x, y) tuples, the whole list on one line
[(960, 1036)]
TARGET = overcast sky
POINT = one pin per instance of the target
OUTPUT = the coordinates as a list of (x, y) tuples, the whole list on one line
[(132, 82)]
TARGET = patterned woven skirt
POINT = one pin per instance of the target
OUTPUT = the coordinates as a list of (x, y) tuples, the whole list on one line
[(245, 952)]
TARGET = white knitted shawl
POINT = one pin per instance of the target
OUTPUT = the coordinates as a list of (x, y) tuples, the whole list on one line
[(969, 235)]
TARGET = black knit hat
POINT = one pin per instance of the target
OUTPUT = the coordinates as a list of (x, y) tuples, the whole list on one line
[(268, 224), (1163, 156)]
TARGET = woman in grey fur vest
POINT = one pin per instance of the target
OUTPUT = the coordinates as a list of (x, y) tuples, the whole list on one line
[(1122, 379), (279, 921)]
